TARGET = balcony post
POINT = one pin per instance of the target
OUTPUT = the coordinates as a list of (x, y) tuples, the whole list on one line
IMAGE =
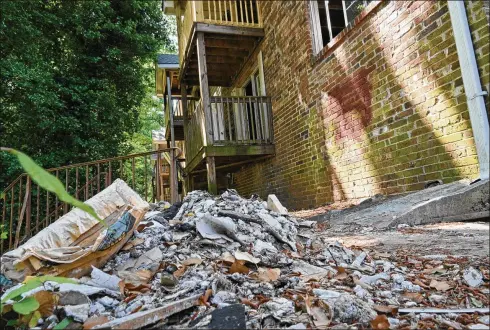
[(211, 168), (204, 86), (173, 159), (183, 92)]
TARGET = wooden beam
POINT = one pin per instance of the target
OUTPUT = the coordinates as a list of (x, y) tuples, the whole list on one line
[(204, 86), (232, 44), (237, 150), (230, 30), (183, 91), (194, 162), (244, 162), (211, 168), (173, 159), (226, 52)]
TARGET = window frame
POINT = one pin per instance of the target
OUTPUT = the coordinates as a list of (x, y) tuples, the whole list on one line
[(316, 29)]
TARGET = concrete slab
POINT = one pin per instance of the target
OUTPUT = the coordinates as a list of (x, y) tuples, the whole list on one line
[(457, 201)]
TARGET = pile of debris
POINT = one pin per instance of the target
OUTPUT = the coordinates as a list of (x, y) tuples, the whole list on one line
[(229, 262)]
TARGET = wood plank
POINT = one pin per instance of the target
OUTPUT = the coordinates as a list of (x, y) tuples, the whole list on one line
[(211, 169), (231, 44), (194, 162), (235, 164), (230, 30), (239, 150), (203, 84), (212, 51)]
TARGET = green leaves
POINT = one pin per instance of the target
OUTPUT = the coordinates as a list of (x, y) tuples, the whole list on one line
[(75, 77), (33, 283), (51, 183), (26, 306), (62, 325)]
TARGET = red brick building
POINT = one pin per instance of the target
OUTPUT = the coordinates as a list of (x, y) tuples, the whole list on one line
[(322, 101)]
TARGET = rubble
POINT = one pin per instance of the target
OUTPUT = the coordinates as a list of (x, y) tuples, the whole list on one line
[(229, 262)]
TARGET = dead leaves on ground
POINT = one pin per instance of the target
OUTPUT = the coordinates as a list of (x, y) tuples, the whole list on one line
[(239, 267), (440, 285), (380, 322), (319, 311), (47, 302), (391, 310), (266, 274), (413, 296)]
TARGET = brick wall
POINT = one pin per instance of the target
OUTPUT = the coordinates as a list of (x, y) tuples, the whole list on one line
[(381, 111)]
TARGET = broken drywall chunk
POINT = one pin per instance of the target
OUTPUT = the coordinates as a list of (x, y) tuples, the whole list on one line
[(103, 280), (275, 205), (349, 309), (473, 277), (216, 228), (260, 246), (279, 307), (78, 313), (72, 298)]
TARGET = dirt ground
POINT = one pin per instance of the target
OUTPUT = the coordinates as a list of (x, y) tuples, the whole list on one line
[(454, 238)]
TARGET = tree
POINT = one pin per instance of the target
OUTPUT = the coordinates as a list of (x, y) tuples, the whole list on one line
[(74, 75)]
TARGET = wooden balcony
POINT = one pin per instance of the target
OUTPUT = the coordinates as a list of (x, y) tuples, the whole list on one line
[(178, 111), (237, 130), (232, 30)]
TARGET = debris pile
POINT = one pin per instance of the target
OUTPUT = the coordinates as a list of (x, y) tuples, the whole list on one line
[(229, 262)]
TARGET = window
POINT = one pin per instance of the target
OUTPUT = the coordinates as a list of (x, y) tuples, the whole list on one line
[(330, 17)]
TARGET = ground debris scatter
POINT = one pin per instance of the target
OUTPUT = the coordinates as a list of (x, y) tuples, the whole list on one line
[(229, 262)]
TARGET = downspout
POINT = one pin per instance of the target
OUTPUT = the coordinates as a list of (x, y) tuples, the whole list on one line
[(472, 84)]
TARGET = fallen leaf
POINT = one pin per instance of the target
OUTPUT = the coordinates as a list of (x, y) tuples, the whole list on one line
[(239, 267), (247, 302), (440, 286), (393, 310), (192, 261), (380, 322), (129, 245), (130, 288), (94, 321), (47, 301), (130, 298), (179, 272), (420, 283), (227, 257), (266, 274), (205, 297), (341, 273), (413, 296), (246, 257), (142, 226)]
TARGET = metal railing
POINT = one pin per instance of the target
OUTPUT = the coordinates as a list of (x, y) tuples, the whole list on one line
[(27, 208)]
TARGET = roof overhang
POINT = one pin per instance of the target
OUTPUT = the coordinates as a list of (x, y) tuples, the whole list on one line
[(168, 66), (169, 7)]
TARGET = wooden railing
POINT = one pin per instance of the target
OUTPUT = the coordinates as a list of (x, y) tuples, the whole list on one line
[(194, 134), (242, 13), (245, 120), (27, 208), (235, 120)]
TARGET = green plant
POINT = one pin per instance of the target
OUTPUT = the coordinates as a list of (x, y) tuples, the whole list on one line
[(3, 232), (49, 182), (32, 308)]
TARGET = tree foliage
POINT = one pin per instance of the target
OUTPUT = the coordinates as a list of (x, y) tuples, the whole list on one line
[(74, 76)]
